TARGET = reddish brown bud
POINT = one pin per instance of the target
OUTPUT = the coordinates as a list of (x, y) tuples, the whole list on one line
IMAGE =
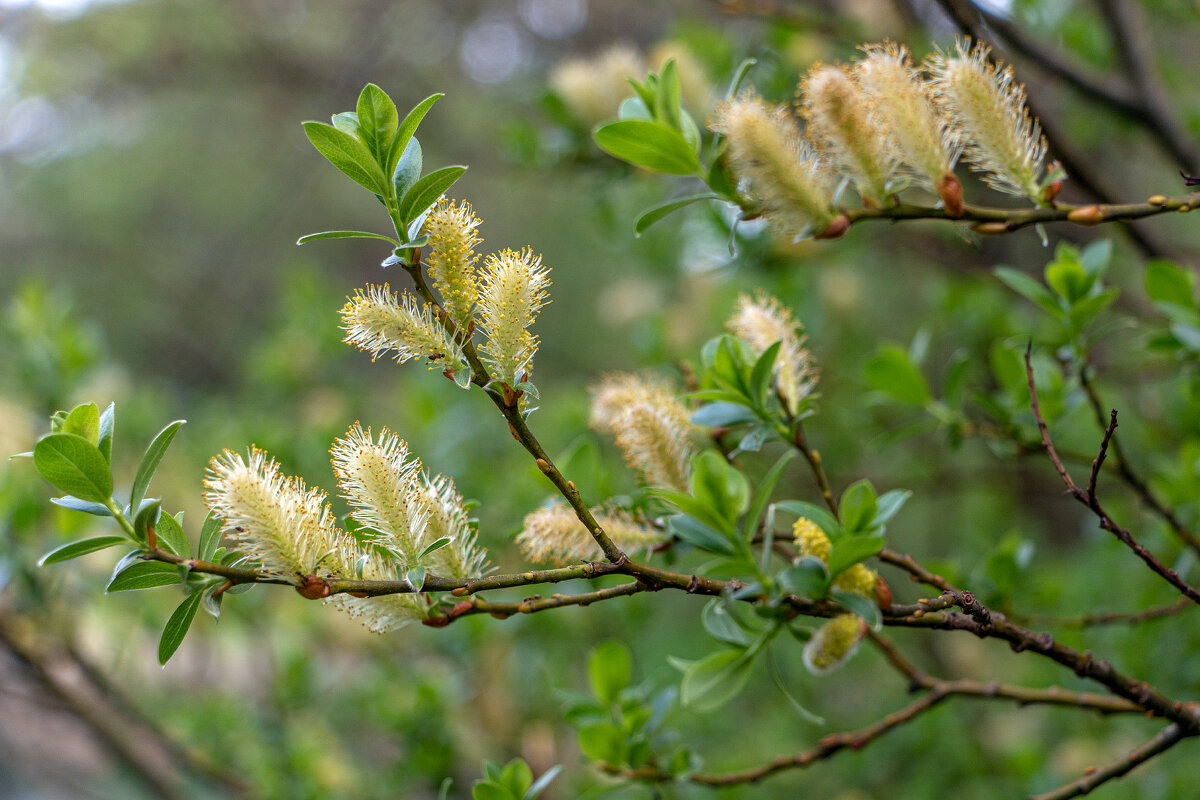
[(359, 595), (461, 591), (151, 538), (1087, 215), (1050, 192), (835, 229), (543, 465), (883, 593), (313, 588), (991, 228), (950, 190)]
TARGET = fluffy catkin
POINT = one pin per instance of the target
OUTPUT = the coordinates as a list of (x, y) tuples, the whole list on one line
[(512, 293), (833, 644), (378, 321), (987, 112), (555, 535), (781, 169), (592, 88), (451, 257), (761, 321)]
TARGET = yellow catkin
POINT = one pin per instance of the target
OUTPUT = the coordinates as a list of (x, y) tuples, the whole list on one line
[(987, 111), (555, 535), (791, 181), (811, 540), (833, 644), (379, 321), (842, 122), (451, 257), (858, 579), (512, 293), (761, 321)]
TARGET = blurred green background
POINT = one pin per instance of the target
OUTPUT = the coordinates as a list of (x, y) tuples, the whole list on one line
[(153, 180)]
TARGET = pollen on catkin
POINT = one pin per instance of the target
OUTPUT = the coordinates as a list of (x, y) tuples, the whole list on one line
[(841, 120), (918, 133), (512, 291), (833, 644), (554, 535), (378, 321), (451, 257), (987, 111), (782, 170), (285, 528), (593, 88), (381, 480), (761, 321), (811, 540)]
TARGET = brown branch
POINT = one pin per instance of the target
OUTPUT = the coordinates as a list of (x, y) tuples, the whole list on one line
[(1107, 617), (531, 605), (1089, 499), (1125, 469), (828, 746), (1167, 738)]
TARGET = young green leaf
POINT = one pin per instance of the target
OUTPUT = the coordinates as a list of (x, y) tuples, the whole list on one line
[(1028, 288), (150, 461), (171, 535), (652, 145), (81, 548), (348, 154), (699, 535), (762, 495), (653, 215), (890, 371), (377, 121), (434, 546), (823, 518), (105, 431), (74, 465), (406, 129), (850, 550), (1169, 283), (858, 506), (177, 627), (408, 168), (808, 577), (715, 679), (610, 669), (144, 575), (75, 504), (861, 607), (425, 192), (84, 421), (722, 414), (312, 237), (210, 538), (145, 519)]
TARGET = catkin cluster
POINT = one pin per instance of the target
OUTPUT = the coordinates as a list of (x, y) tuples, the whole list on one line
[(502, 299), (835, 641), (405, 519), (880, 124)]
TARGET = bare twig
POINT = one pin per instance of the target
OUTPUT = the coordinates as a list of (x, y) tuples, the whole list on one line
[(1107, 617), (1167, 738), (1089, 499)]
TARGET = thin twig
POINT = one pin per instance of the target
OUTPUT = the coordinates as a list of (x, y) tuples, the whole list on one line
[(1089, 499), (1167, 738), (1107, 617)]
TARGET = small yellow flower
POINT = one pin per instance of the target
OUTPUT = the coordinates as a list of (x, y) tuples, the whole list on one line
[(811, 540), (555, 535)]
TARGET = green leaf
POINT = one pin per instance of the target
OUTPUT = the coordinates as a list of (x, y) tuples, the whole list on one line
[(652, 145), (762, 495), (74, 465), (150, 461), (171, 534), (348, 154), (861, 607), (719, 485), (739, 75), (377, 121), (486, 790), (808, 577), (602, 742), (416, 577), (653, 215), (762, 374), (517, 776), (1169, 283), (177, 627), (408, 168), (107, 422), (426, 191), (312, 237), (84, 421), (1028, 288), (890, 371), (75, 504), (722, 414), (851, 550), (858, 506), (722, 625), (210, 538), (347, 121), (81, 548), (434, 546), (144, 575), (1067, 276), (408, 127), (715, 680), (610, 669), (697, 534), (633, 108), (890, 503), (693, 507)]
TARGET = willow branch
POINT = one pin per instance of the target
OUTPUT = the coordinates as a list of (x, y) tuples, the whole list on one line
[(1166, 739), (1089, 498), (537, 603), (1125, 470), (1108, 617)]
